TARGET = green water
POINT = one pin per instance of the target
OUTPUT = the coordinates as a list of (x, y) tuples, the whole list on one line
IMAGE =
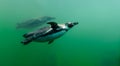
[(94, 42)]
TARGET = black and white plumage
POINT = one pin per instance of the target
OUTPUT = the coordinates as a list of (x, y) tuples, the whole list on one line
[(49, 33)]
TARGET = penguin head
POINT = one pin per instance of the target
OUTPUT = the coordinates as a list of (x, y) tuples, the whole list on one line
[(71, 24)]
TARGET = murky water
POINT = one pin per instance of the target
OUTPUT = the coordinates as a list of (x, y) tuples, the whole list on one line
[(94, 42)]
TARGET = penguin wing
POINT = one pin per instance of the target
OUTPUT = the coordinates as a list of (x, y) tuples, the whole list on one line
[(34, 35), (39, 32)]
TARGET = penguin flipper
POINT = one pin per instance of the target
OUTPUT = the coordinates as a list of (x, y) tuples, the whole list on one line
[(54, 25), (27, 40), (50, 42)]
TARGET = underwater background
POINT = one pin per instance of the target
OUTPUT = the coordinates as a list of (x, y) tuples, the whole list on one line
[(95, 41)]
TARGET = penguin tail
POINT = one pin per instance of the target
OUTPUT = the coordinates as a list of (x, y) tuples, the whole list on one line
[(26, 41)]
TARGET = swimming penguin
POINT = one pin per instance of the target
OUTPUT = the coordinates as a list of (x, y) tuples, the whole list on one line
[(48, 33)]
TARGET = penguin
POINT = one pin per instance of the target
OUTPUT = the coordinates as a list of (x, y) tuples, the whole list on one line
[(48, 33)]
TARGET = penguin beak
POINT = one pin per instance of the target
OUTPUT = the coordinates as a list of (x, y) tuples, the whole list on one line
[(75, 23), (70, 24)]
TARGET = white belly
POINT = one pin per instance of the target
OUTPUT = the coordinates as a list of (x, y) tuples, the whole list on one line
[(51, 36)]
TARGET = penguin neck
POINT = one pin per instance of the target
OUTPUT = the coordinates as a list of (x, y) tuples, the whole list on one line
[(63, 27)]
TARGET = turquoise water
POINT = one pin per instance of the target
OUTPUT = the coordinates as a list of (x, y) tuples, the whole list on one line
[(94, 42)]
